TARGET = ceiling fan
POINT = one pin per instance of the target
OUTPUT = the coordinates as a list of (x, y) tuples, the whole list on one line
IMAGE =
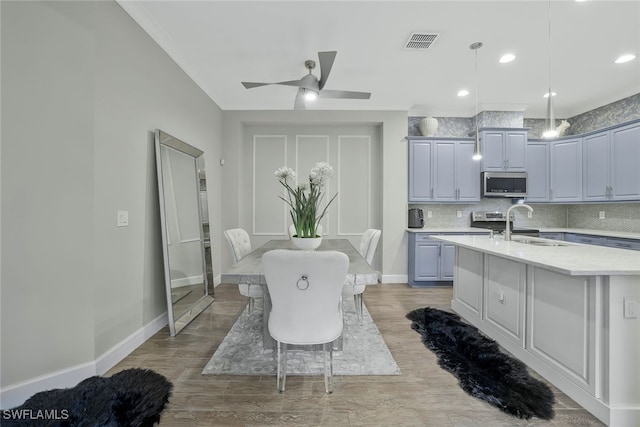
[(310, 87)]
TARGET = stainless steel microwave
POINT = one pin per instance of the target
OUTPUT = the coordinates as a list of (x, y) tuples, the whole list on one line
[(504, 184)]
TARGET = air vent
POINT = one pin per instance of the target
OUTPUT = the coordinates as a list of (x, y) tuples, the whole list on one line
[(421, 40)]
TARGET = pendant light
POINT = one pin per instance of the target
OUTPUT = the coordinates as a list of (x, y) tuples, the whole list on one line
[(477, 154), (550, 120)]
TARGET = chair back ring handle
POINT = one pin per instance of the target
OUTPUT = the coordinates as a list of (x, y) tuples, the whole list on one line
[(305, 279)]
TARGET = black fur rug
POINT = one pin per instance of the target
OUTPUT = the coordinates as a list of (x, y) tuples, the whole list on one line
[(130, 398), (482, 369)]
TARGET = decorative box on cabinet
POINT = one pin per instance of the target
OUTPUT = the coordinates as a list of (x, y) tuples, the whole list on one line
[(504, 149), (610, 164)]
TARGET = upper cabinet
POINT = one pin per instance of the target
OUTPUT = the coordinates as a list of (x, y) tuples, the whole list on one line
[(504, 150), (420, 170), (565, 170), (442, 170), (610, 164), (537, 171)]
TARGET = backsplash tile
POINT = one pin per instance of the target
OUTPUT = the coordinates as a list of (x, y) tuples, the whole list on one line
[(618, 216)]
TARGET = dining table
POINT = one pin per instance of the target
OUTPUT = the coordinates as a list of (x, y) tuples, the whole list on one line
[(249, 270)]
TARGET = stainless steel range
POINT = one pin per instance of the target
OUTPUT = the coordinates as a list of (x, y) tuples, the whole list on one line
[(497, 221)]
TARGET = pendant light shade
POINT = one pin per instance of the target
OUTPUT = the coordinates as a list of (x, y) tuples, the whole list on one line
[(550, 120), (477, 153)]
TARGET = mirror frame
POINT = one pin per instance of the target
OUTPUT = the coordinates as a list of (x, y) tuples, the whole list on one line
[(166, 140)]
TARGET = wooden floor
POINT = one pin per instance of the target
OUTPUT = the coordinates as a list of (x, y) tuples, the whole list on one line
[(424, 395)]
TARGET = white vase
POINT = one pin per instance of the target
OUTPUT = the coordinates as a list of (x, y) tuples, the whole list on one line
[(428, 126), (306, 243)]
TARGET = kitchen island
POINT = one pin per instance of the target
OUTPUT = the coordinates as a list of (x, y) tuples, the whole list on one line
[(567, 310)]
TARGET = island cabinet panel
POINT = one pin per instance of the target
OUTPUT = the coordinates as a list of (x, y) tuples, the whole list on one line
[(504, 296), (562, 324), (469, 277)]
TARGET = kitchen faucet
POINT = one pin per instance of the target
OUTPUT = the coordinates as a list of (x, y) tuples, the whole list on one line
[(507, 228)]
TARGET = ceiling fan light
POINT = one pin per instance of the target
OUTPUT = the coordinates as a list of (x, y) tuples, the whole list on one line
[(625, 58), (310, 95)]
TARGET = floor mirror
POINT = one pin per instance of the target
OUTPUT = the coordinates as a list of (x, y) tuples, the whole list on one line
[(182, 189)]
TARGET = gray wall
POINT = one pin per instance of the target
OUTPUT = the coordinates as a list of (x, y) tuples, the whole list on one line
[(393, 127), (83, 88)]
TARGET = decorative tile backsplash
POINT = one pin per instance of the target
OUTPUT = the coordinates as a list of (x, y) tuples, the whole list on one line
[(622, 111), (618, 216)]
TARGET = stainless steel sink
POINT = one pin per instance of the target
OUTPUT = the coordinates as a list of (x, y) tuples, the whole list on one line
[(539, 242)]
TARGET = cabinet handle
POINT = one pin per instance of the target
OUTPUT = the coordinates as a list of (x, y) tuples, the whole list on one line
[(507, 162), (504, 164), (432, 192)]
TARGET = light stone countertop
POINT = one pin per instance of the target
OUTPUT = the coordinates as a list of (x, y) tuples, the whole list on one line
[(603, 233), (573, 259)]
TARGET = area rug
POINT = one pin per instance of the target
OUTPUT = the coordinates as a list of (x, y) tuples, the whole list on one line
[(364, 351), (133, 397), (482, 369)]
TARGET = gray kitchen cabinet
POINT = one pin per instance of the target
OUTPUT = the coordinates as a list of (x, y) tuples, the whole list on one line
[(537, 171), (565, 173), (430, 261), (442, 170), (504, 149), (420, 170), (584, 238), (456, 176), (616, 242), (610, 164)]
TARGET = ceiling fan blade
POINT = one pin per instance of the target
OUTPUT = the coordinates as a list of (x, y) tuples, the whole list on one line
[(345, 94), (297, 83), (299, 102), (326, 62)]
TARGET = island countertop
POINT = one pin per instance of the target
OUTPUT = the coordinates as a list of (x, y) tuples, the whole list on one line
[(573, 259)]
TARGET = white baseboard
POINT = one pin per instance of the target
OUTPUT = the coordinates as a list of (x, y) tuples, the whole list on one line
[(395, 278), (15, 394)]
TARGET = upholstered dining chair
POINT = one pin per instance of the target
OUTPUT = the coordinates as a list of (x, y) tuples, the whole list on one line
[(292, 230), (367, 248), (240, 245), (306, 293)]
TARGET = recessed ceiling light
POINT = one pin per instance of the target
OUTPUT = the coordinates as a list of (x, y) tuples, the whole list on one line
[(463, 92), (579, 1), (625, 58), (508, 57), (546, 95)]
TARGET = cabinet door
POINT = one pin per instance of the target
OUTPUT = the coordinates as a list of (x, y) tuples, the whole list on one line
[(596, 166), (516, 150), (492, 146), (467, 172), (566, 171), (444, 170), (420, 176), (625, 163), (426, 260), (538, 172), (447, 260)]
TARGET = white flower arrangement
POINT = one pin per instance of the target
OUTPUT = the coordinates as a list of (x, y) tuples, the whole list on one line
[(304, 199)]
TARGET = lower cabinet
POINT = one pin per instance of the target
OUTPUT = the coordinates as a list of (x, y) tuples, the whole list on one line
[(430, 261)]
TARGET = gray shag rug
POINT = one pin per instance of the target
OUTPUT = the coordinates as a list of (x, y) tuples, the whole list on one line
[(364, 351)]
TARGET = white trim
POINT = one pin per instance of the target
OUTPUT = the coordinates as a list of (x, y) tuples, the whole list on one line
[(326, 142), (16, 394), (253, 189), (395, 278), (187, 281)]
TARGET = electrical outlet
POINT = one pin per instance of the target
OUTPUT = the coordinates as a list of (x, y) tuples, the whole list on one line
[(529, 214), (501, 297), (459, 214), (602, 215), (630, 308), (429, 214), (123, 219)]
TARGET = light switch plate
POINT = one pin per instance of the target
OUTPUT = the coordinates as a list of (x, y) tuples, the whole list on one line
[(429, 214), (123, 218), (630, 308), (459, 214), (602, 215)]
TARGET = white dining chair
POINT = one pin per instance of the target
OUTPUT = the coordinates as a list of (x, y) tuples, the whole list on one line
[(240, 245), (292, 230), (306, 293), (367, 248)]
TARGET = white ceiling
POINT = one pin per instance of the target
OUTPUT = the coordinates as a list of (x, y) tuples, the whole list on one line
[(221, 43)]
